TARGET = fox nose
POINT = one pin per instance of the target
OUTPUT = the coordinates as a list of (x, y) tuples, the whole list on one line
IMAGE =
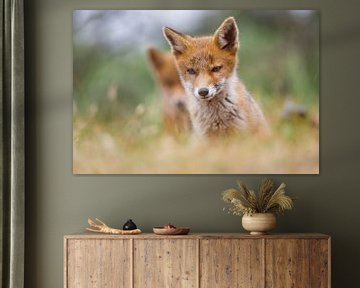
[(203, 91)]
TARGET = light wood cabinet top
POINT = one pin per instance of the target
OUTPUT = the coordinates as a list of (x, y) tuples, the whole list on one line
[(86, 235)]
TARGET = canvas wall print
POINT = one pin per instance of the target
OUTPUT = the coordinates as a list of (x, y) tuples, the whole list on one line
[(196, 92)]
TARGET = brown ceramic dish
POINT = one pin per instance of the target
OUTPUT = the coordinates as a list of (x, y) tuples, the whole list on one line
[(171, 231)]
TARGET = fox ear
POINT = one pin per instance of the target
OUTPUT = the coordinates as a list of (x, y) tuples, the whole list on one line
[(226, 37), (156, 57), (178, 41)]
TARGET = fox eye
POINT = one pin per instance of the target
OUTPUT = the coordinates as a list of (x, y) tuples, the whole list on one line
[(191, 71), (216, 69)]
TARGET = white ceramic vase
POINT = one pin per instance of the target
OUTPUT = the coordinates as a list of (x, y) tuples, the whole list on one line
[(259, 223)]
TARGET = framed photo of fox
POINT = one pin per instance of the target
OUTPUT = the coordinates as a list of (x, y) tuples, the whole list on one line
[(196, 92)]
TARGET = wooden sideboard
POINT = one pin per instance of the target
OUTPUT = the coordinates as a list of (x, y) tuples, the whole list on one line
[(197, 260)]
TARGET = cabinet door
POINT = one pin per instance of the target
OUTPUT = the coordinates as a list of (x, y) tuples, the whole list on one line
[(231, 263), (98, 263), (165, 263), (320, 263), (287, 263)]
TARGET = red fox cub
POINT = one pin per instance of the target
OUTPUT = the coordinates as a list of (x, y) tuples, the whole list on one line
[(218, 101), (176, 116)]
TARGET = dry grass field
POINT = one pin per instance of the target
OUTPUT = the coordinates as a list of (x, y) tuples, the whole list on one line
[(141, 146)]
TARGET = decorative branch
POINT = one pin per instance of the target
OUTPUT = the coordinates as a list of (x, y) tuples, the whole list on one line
[(246, 202), (100, 227)]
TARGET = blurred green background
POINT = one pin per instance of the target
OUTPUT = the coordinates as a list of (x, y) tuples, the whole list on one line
[(279, 55), (279, 63)]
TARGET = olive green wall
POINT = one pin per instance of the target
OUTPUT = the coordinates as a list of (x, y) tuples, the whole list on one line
[(59, 203)]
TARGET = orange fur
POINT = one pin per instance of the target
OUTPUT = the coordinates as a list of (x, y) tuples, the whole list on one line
[(176, 115), (218, 101)]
